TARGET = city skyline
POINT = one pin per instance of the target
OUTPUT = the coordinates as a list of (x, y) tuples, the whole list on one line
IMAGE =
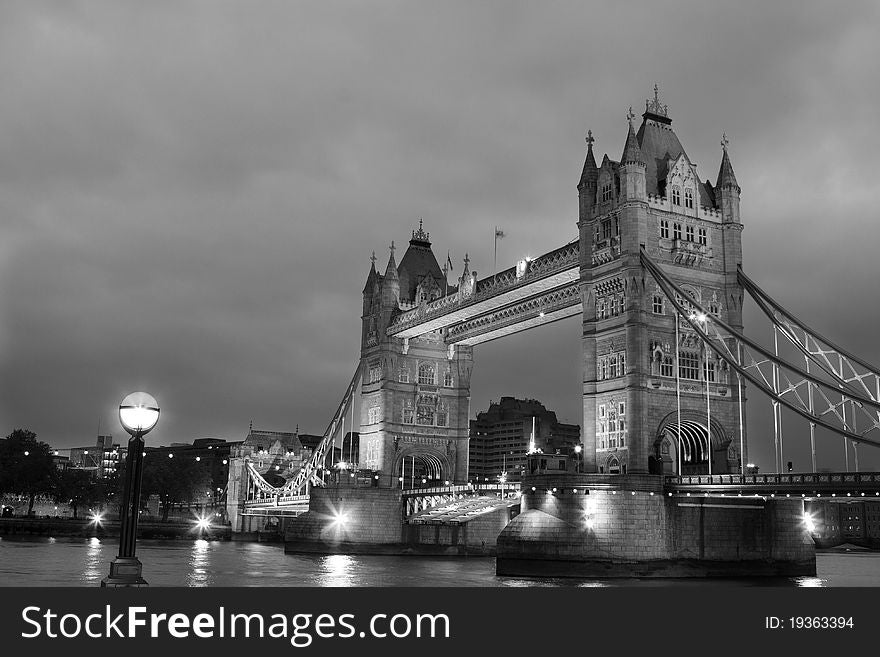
[(191, 200)]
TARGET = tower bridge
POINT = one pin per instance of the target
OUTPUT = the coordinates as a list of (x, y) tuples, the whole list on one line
[(656, 276)]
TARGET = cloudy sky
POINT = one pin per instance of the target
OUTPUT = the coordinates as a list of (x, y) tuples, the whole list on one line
[(190, 192)]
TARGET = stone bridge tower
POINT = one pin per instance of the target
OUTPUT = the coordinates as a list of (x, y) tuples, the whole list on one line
[(415, 393), (653, 198)]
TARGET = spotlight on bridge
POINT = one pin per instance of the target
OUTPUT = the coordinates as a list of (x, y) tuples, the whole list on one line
[(96, 517), (203, 524), (808, 522), (339, 519)]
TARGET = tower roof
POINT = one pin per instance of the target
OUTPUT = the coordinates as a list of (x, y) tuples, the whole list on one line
[(418, 261), (371, 277), (391, 271), (726, 176), (659, 144)]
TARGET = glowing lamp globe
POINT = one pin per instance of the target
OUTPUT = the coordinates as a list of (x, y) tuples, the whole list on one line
[(138, 413)]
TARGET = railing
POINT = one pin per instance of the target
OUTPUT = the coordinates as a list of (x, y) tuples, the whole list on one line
[(555, 261), (822, 480), (437, 490)]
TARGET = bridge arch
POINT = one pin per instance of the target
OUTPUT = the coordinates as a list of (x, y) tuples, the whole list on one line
[(421, 462), (693, 445)]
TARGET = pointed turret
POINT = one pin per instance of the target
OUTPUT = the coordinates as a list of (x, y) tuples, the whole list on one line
[(587, 185), (631, 150), (632, 165), (727, 190), (391, 283), (371, 277), (726, 177)]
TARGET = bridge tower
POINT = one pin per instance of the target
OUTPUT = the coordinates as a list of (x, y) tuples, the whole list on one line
[(415, 392), (634, 372)]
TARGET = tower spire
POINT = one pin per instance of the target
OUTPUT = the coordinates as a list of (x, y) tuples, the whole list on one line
[(391, 269), (591, 171), (726, 177), (631, 150)]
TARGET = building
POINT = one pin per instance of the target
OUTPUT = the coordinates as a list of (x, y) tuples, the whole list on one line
[(652, 198), (212, 453), (102, 460), (502, 436)]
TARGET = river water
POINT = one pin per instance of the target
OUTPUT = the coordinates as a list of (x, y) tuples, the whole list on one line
[(85, 561)]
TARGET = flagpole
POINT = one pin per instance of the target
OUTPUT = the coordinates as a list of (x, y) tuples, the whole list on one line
[(495, 257)]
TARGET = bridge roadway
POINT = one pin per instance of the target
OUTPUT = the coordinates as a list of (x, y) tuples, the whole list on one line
[(837, 485)]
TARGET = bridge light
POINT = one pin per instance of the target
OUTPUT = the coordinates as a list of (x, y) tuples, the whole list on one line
[(96, 517), (339, 519), (772, 494), (225, 461), (554, 489), (808, 522), (198, 458), (203, 523), (669, 494), (848, 494), (533, 489), (574, 490), (589, 522), (863, 494)]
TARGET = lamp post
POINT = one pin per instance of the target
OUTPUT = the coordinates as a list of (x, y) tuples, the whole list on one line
[(138, 414)]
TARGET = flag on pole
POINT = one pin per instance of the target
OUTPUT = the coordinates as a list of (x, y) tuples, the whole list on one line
[(498, 233), (448, 262)]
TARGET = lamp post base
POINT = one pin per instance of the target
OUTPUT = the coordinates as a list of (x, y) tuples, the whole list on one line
[(125, 571)]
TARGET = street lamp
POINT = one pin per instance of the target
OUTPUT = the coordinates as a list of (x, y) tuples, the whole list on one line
[(138, 414)]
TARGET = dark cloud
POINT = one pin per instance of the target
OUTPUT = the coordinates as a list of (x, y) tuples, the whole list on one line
[(189, 193)]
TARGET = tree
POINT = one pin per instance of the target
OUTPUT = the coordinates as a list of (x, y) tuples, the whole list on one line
[(78, 488), (26, 466), (174, 480)]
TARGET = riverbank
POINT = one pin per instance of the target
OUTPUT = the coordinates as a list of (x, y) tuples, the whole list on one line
[(86, 528)]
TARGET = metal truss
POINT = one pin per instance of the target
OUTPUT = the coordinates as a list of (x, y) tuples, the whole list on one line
[(853, 373), (821, 402), (312, 471)]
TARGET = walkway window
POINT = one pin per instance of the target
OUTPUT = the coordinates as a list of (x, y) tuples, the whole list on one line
[(426, 374), (688, 198), (689, 366)]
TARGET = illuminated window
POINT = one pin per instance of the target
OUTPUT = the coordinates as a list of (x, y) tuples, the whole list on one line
[(426, 374), (664, 228), (373, 415)]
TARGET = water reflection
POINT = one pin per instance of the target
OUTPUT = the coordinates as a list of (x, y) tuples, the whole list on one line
[(810, 582), (198, 564), (93, 565), (336, 570)]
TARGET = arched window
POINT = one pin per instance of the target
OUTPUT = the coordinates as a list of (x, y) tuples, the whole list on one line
[(688, 198), (676, 195), (426, 374), (447, 379), (426, 405), (408, 413), (613, 465), (442, 414)]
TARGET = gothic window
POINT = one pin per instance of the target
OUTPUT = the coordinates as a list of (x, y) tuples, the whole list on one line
[(689, 233), (714, 309), (606, 229), (373, 451), (408, 411), (447, 379), (606, 192), (426, 374), (689, 198), (373, 415), (601, 308), (657, 304), (666, 366), (426, 405), (616, 227), (664, 228), (403, 374), (442, 414), (689, 366), (710, 371), (621, 359), (676, 231), (612, 366), (621, 408), (601, 410), (676, 195), (702, 235), (375, 371)]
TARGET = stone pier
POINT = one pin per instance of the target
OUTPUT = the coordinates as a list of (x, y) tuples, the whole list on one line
[(584, 525)]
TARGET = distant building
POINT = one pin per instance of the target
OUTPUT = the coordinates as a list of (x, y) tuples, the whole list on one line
[(212, 453), (101, 459), (501, 437)]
